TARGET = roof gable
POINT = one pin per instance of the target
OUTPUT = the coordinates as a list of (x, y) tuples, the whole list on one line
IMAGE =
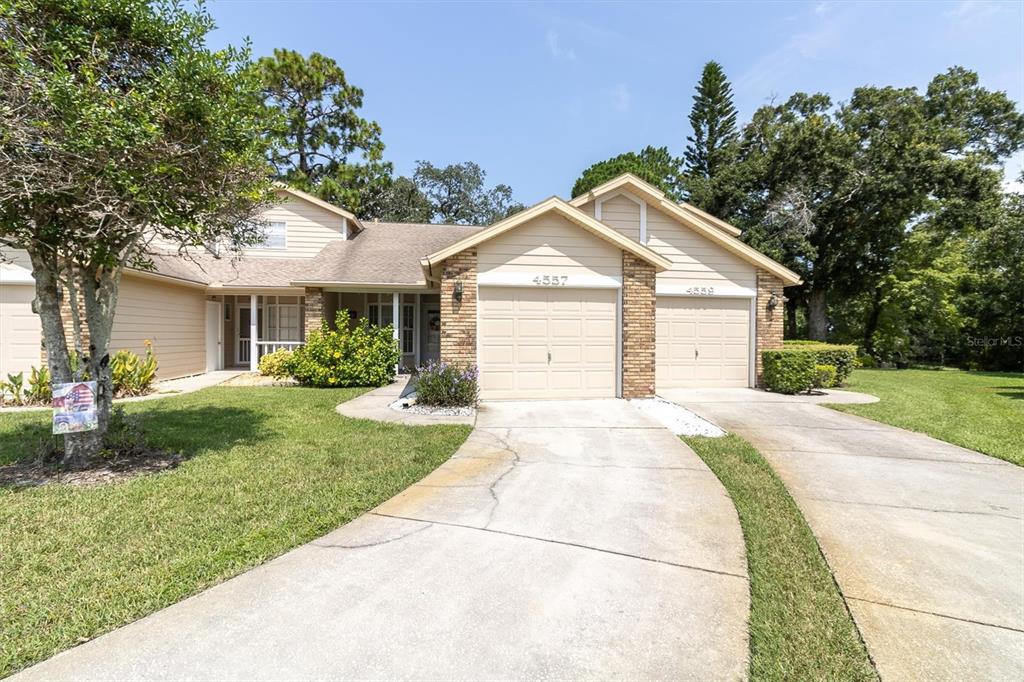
[(704, 224), (555, 205), (316, 201)]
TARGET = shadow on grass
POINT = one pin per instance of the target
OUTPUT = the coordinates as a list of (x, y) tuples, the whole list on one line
[(188, 431), (1012, 392)]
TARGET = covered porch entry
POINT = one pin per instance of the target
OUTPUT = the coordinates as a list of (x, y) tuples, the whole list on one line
[(255, 324), (416, 316)]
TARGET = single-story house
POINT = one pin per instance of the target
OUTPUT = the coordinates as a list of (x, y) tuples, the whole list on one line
[(618, 292)]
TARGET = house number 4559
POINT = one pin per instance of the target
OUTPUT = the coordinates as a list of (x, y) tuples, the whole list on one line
[(551, 280)]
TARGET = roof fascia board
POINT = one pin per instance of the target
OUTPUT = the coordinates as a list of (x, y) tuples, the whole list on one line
[(316, 201), (730, 243)]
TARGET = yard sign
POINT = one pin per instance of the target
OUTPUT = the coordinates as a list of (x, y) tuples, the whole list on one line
[(74, 407)]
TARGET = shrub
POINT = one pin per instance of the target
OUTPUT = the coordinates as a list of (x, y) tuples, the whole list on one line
[(842, 357), (788, 370), (13, 390), (445, 385), (276, 364), (824, 376), (40, 386), (362, 355), (866, 361), (131, 374)]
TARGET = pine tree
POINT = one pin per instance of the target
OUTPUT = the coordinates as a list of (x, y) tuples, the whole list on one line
[(711, 150)]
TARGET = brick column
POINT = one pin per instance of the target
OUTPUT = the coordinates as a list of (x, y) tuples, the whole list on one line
[(314, 309), (638, 329), (769, 322), (458, 318)]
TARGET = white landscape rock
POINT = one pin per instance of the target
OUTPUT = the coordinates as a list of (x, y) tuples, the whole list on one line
[(409, 405), (676, 419)]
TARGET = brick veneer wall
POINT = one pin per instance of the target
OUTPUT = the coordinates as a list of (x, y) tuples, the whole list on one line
[(458, 318), (769, 322), (314, 309), (638, 327)]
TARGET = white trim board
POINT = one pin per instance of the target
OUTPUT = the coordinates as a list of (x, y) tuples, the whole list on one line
[(525, 279), (640, 202), (729, 291)]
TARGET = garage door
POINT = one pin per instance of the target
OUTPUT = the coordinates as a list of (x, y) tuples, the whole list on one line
[(547, 343), (20, 332), (702, 342)]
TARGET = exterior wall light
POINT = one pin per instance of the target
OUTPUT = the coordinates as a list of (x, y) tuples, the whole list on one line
[(458, 292), (773, 302)]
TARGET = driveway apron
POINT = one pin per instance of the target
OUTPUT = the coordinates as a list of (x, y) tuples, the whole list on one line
[(574, 539), (926, 539)]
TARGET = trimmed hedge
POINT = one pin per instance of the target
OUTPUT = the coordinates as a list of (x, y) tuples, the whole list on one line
[(824, 376), (789, 370), (842, 357)]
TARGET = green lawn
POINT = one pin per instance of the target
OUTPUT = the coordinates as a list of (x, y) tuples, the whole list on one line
[(983, 411), (272, 468), (800, 628)]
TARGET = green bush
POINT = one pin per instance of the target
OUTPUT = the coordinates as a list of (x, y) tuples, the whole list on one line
[(13, 390), (824, 376), (788, 370), (131, 374), (446, 385), (866, 361), (276, 364), (40, 386), (362, 355), (842, 357)]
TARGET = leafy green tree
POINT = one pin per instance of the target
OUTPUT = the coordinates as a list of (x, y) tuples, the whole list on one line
[(402, 201), (653, 165), (118, 128), (322, 144), (839, 189), (458, 195), (712, 149)]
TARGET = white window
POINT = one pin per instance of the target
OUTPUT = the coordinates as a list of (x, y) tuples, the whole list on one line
[(379, 310), (275, 235), (282, 320), (408, 323)]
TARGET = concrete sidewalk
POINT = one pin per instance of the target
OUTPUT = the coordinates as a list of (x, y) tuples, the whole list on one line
[(926, 539), (564, 540)]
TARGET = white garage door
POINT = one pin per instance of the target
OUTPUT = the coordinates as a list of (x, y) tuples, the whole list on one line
[(702, 342), (20, 332), (547, 343)]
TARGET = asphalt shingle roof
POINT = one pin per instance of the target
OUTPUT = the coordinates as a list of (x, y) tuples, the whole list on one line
[(382, 253)]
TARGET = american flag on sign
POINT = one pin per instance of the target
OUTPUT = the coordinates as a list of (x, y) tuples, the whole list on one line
[(78, 398)]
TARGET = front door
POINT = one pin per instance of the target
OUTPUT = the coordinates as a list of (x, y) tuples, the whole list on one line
[(214, 337), (433, 334)]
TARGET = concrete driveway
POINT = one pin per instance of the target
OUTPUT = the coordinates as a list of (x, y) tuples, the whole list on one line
[(926, 539), (563, 540)]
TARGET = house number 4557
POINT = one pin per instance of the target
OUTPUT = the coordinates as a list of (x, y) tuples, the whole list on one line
[(551, 280)]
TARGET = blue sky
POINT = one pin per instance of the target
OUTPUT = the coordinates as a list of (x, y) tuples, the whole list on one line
[(536, 92)]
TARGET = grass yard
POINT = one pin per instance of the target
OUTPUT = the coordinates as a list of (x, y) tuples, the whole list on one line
[(982, 411), (272, 468), (800, 628)]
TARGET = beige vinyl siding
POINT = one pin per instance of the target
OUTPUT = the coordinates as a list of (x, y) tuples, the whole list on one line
[(696, 261), (550, 245), (20, 330), (172, 317), (623, 214), (308, 228)]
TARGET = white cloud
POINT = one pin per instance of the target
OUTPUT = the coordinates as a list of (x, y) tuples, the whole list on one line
[(555, 47), (619, 97)]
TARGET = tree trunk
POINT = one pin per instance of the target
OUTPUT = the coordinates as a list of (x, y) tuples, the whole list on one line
[(871, 323), (98, 289), (817, 313), (791, 306)]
